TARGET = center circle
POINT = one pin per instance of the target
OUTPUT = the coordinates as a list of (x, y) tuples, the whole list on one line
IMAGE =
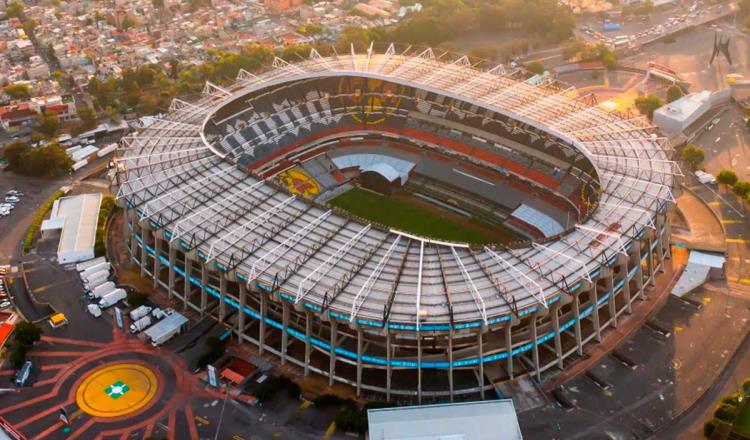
[(116, 390)]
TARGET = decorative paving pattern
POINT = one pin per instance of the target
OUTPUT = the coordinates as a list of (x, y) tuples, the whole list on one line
[(131, 387)]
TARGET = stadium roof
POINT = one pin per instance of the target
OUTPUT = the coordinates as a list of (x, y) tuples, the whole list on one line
[(180, 183), (488, 420)]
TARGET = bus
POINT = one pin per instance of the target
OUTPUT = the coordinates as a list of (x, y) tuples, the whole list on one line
[(24, 374)]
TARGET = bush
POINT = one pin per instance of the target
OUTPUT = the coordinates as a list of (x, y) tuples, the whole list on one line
[(106, 208), (727, 177), (674, 92), (741, 188), (646, 105), (535, 67), (36, 223), (733, 399), (137, 299), (726, 412), (709, 428)]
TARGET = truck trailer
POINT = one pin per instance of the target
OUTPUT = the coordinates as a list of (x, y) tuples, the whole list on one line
[(140, 324), (139, 312), (80, 267), (101, 291), (95, 277), (166, 329), (112, 298), (88, 288), (94, 269)]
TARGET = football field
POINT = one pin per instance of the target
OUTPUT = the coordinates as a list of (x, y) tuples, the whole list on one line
[(416, 217)]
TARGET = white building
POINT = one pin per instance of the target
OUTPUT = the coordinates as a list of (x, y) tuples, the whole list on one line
[(676, 116), (76, 217), (487, 420)]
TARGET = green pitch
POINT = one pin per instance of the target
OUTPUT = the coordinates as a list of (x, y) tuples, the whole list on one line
[(407, 217)]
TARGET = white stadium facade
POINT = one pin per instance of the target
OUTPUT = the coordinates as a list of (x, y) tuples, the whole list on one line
[(399, 316)]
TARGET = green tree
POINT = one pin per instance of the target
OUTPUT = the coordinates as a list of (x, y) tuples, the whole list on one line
[(646, 105), (13, 152), (727, 177), (17, 354), (746, 385), (674, 92), (87, 116), (693, 156), (47, 161), (535, 67), (726, 412), (741, 188), (18, 91), (48, 124), (14, 9), (709, 428), (27, 333)]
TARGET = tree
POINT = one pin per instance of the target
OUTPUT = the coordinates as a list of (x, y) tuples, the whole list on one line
[(727, 177), (535, 67), (18, 91), (13, 152), (27, 333), (14, 9), (646, 105), (137, 299), (48, 124), (693, 156), (746, 385), (674, 92), (709, 428), (18, 354), (726, 412), (87, 116), (741, 188), (48, 161)]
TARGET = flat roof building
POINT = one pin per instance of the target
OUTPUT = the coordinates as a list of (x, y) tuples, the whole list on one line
[(76, 217), (487, 420)]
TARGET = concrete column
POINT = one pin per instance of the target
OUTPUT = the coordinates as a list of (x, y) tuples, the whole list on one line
[(595, 311), (241, 311), (308, 344), (262, 323), (285, 334), (535, 338), (144, 254), (172, 261), (650, 262), (558, 341), (204, 283), (188, 286), (157, 262), (331, 353), (509, 349), (610, 284), (223, 294), (660, 255), (388, 364), (577, 326), (450, 362), (626, 287), (480, 354), (639, 272), (419, 369), (359, 361)]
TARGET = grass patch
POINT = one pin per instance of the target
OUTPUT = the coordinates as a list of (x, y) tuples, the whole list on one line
[(107, 205), (36, 223), (405, 216)]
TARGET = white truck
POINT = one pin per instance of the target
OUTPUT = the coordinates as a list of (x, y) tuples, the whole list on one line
[(95, 277), (139, 312), (166, 329), (80, 267), (101, 291), (94, 310), (140, 324), (112, 298), (94, 269), (88, 287)]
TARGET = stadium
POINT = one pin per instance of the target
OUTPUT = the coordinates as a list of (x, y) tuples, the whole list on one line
[(414, 225)]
